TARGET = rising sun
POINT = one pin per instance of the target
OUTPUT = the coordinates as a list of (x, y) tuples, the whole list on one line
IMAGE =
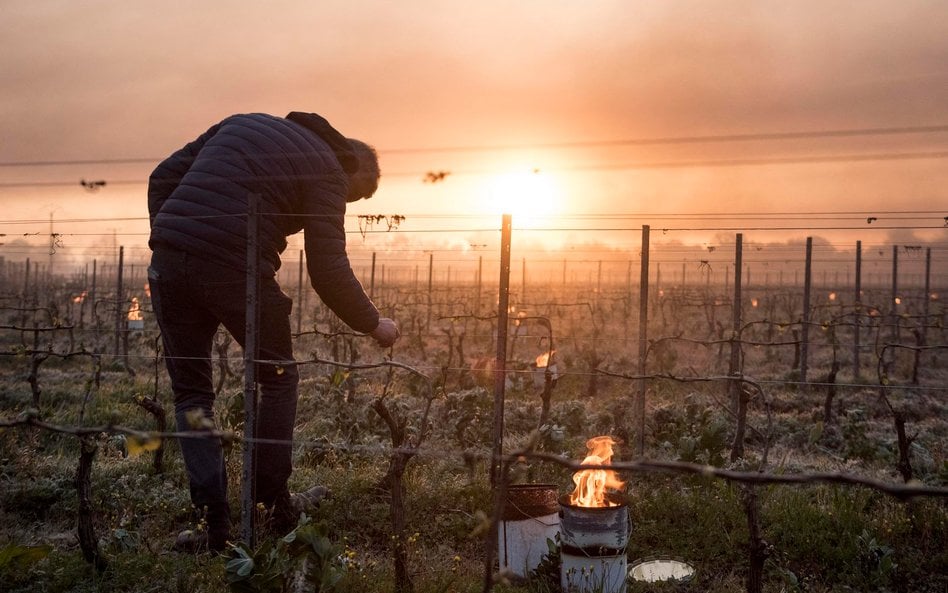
[(530, 197)]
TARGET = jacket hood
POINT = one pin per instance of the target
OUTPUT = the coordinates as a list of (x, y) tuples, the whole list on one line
[(339, 144)]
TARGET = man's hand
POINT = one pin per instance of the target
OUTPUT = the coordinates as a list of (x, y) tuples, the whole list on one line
[(386, 333)]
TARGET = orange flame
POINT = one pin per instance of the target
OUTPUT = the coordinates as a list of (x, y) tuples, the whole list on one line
[(544, 359), (591, 484), (80, 297), (134, 312)]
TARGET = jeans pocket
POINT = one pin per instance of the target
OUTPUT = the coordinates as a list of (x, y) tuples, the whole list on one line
[(154, 288)]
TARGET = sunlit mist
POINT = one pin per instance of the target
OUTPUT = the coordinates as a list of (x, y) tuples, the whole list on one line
[(532, 198)]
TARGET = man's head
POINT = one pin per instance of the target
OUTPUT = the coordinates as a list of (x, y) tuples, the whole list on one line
[(365, 181)]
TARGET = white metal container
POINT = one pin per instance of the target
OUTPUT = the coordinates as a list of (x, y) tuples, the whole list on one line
[(529, 519), (593, 542), (593, 574), (587, 527)]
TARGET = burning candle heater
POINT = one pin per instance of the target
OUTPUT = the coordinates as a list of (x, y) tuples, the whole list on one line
[(135, 320), (594, 527)]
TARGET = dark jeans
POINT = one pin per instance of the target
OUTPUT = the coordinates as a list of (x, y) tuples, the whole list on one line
[(192, 298)]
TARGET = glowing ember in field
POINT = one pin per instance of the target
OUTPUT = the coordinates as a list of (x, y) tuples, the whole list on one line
[(544, 359), (591, 484), (134, 312)]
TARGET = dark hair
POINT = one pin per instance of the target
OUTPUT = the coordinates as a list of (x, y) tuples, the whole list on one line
[(366, 180)]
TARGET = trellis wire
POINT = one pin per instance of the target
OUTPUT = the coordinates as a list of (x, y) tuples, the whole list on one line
[(498, 457)]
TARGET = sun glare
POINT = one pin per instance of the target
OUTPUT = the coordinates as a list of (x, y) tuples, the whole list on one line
[(530, 197)]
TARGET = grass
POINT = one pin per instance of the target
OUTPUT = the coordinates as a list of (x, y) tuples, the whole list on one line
[(872, 542), (822, 538)]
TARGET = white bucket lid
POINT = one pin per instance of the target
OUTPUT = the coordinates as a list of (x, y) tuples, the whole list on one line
[(661, 569)]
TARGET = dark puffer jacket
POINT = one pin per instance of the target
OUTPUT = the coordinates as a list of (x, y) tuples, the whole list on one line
[(299, 166)]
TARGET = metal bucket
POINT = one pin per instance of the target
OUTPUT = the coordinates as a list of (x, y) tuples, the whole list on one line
[(530, 517), (593, 542), (593, 574)]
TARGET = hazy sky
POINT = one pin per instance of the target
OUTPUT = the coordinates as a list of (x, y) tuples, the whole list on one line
[(554, 86)]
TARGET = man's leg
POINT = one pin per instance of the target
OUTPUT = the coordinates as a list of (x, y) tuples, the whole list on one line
[(187, 332), (276, 412)]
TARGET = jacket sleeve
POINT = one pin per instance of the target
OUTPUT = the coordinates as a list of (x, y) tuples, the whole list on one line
[(328, 264), (168, 174)]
